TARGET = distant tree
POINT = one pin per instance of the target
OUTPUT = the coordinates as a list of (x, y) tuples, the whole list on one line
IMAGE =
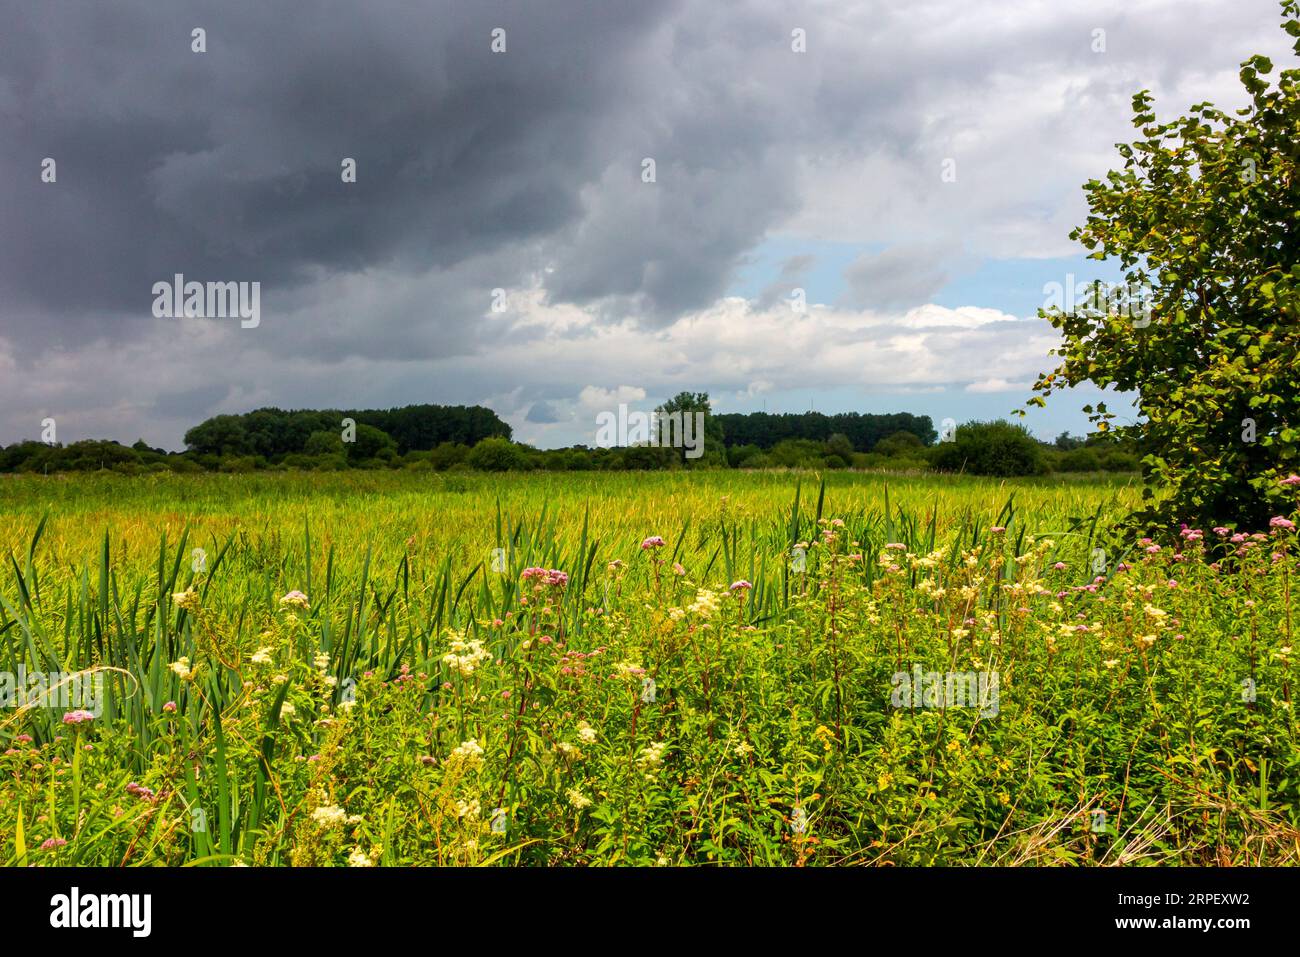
[(989, 448), (496, 455)]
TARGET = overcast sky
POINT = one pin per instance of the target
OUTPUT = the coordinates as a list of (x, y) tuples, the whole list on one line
[(523, 171)]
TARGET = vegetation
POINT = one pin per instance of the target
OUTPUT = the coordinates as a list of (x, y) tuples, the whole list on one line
[(1203, 218), (384, 668)]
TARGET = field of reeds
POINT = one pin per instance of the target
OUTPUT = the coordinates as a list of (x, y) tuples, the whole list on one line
[(661, 669)]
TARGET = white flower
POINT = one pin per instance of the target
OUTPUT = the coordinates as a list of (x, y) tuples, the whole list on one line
[(331, 815), (586, 733), (652, 755), (181, 668), (359, 858), (469, 752), (577, 800), (322, 660), (466, 657), (262, 656), (468, 809)]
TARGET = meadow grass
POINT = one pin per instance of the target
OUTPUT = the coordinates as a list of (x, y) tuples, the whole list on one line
[(420, 668)]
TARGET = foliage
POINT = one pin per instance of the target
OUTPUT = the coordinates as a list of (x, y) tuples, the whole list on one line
[(1204, 218), (420, 683)]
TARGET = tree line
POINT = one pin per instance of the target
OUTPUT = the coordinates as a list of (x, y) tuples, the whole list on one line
[(474, 438)]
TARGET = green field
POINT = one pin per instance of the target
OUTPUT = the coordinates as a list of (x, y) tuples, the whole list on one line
[(427, 701)]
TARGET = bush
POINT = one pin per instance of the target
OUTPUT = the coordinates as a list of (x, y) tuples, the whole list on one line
[(900, 443), (989, 448), (497, 455), (1079, 460)]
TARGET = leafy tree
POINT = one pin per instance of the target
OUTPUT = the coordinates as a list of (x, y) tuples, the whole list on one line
[(497, 455), (989, 448), (900, 443), (709, 445), (1204, 218)]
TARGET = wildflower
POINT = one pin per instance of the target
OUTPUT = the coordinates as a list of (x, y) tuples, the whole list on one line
[(286, 709), (654, 541), (568, 751), (261, 657), (741, 586), (743, 749), (187, 600), (586, 733), (331, 815), (652, 755), (181, 668), (1290, 480), (468, 810), (705, 604), (295, 599), (470, 752), (1221, 531), (1278, 521), (322, 661), (577, 800), (144, 793), (78, 717), (53, 842), (466, 657), (358, 858)]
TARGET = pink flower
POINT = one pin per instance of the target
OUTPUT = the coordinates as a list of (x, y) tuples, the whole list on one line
[(506, 693), (1153, 549), (170, 707), (52, 843), (1221, 531), (77, 717), (654, 541), (998, 529), (741, 585), (1059, 566), (24, 739), (1290, 480), (678, 569), (1277, 521)]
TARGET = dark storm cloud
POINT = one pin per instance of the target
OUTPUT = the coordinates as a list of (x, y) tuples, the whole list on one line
[(225, 165)]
